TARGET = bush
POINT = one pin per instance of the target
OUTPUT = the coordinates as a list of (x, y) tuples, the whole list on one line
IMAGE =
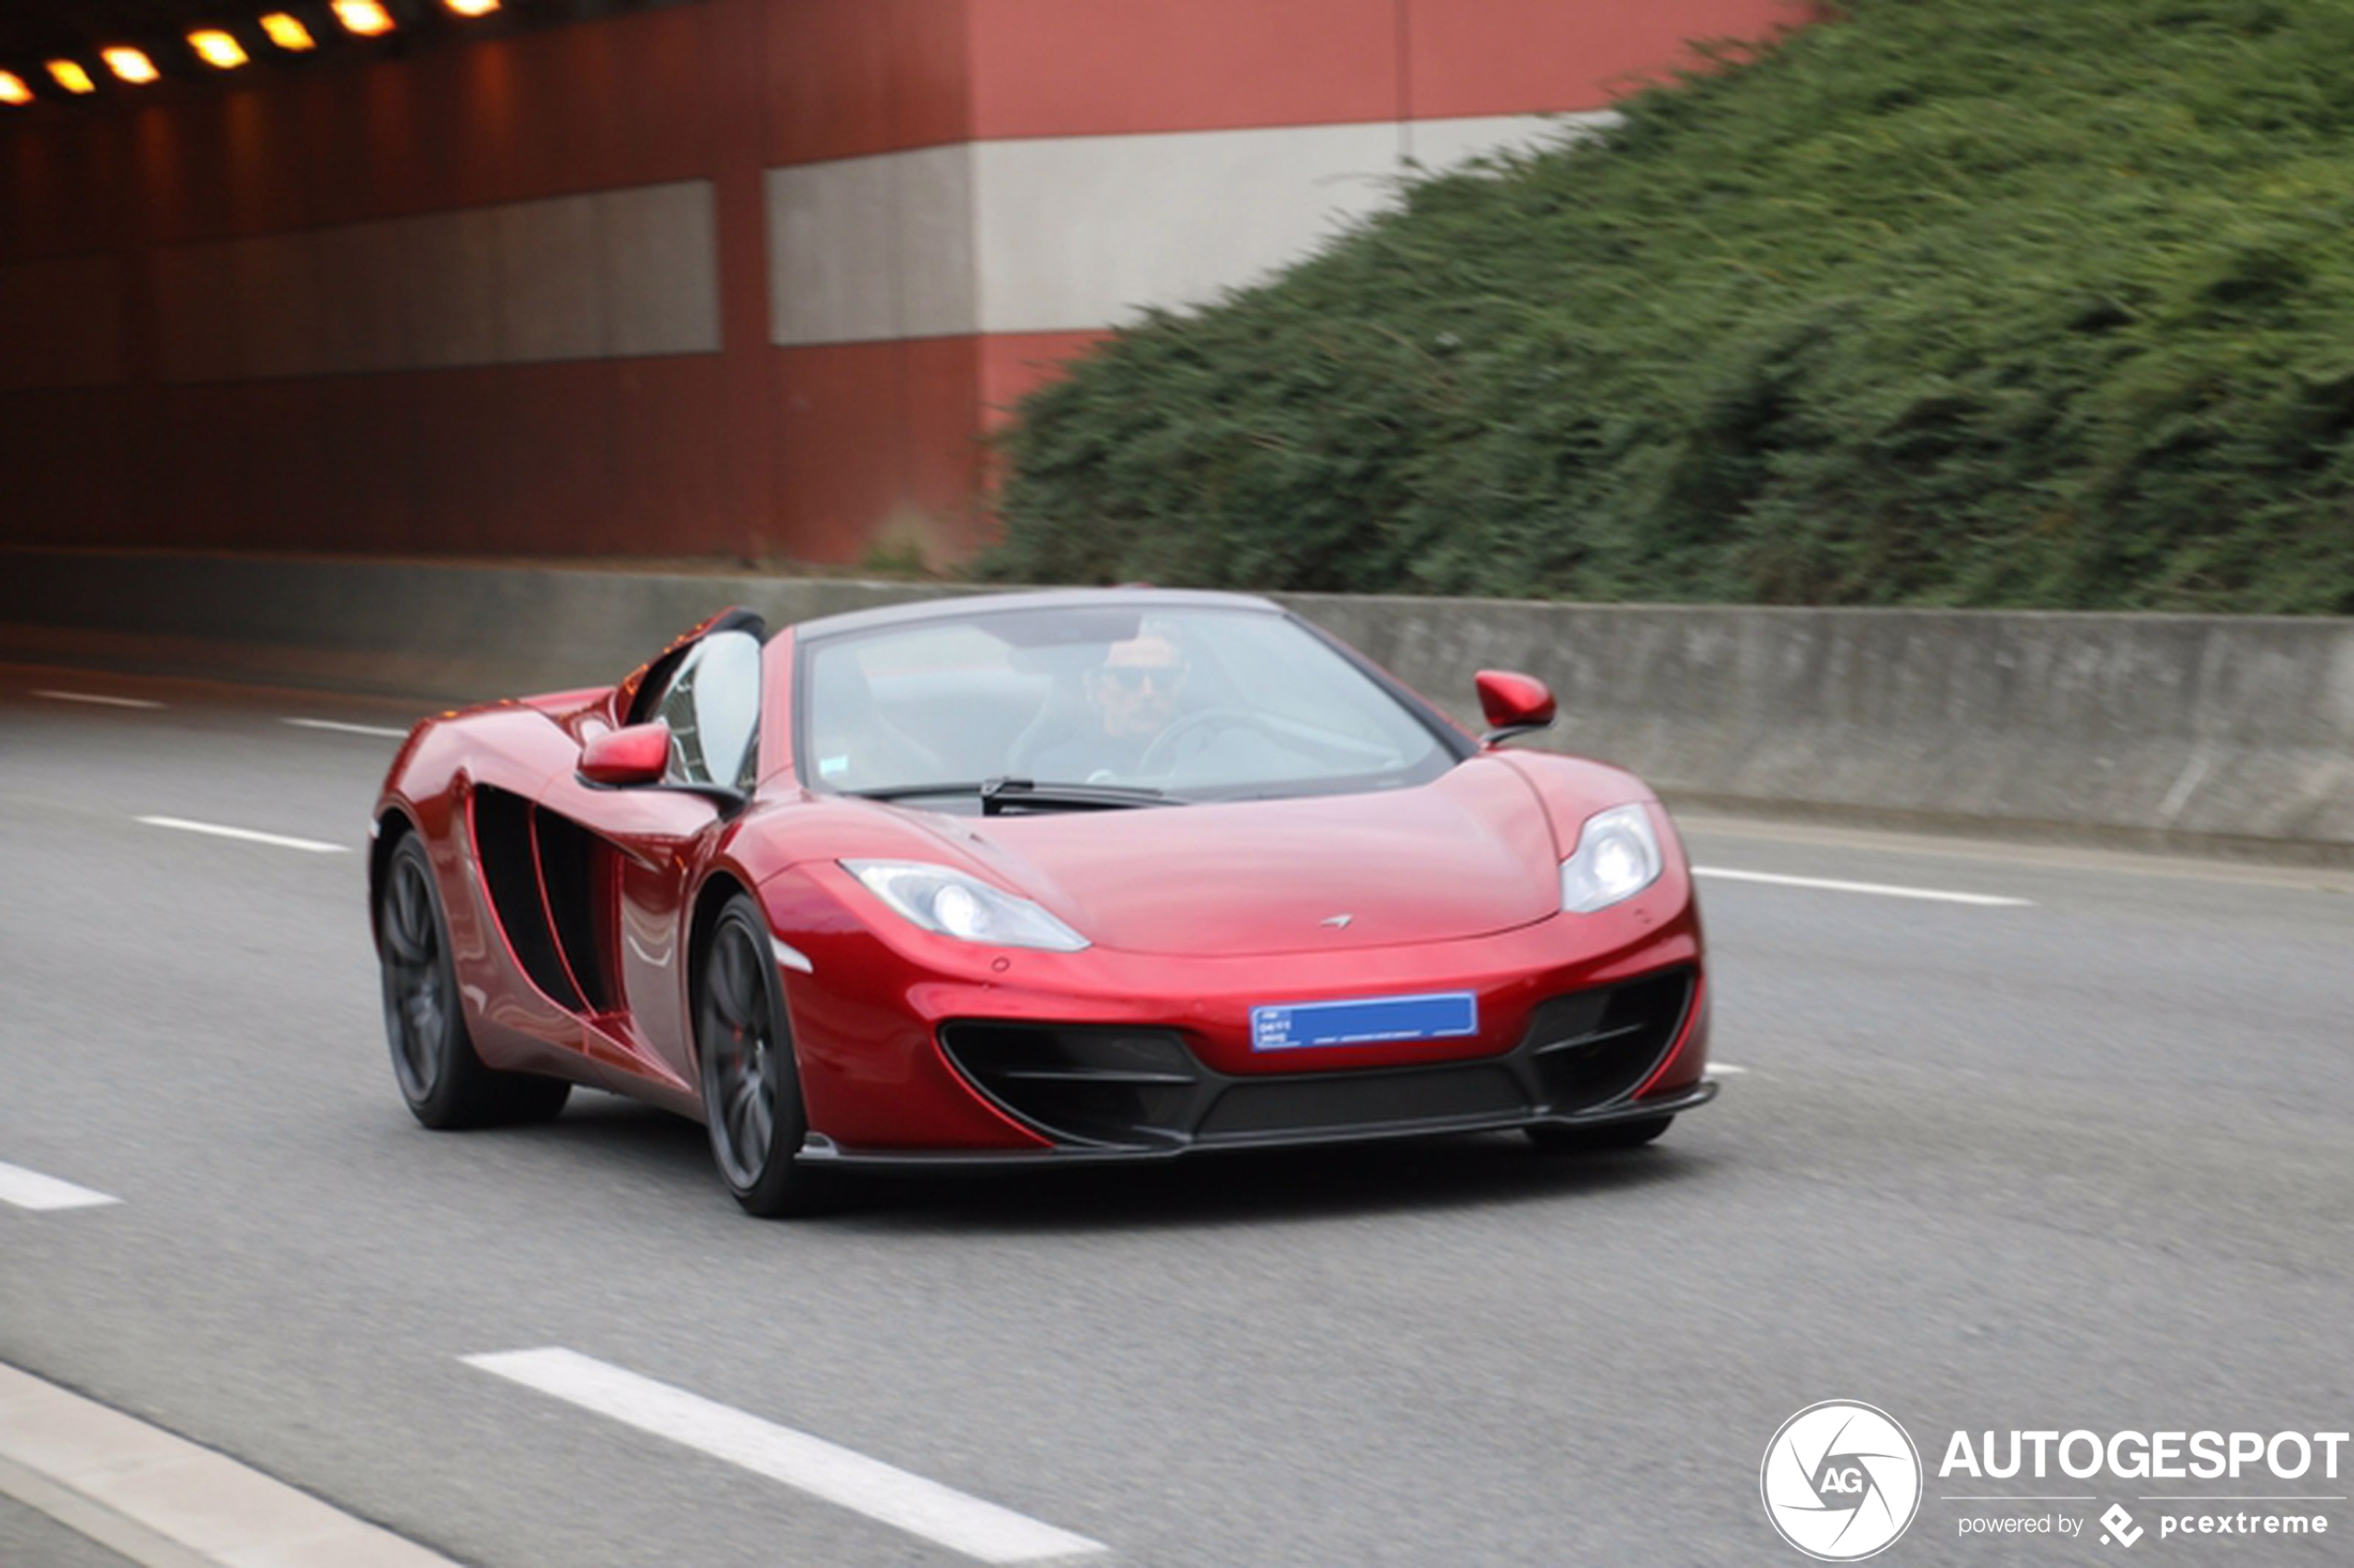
[(1978, 302)]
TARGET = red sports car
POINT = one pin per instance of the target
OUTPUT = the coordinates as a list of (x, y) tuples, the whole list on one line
[(1033, 879)]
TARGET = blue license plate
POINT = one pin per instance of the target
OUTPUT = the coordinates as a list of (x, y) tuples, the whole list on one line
[(1294, 1026)]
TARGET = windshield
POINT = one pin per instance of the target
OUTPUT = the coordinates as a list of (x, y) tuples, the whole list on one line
[(1182, 702)]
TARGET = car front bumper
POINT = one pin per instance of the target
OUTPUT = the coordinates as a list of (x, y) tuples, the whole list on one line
[(919, 1052), (820, 1150)]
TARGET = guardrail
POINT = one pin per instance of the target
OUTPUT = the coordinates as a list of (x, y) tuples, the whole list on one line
[(2196, 730)]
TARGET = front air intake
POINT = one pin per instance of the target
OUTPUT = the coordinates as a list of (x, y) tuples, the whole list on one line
[(1593, 1047), (1404, 1098), (1104, 1087), (1119, 1087)]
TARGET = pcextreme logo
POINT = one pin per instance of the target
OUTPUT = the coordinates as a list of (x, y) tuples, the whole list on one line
[(1841, 1480)]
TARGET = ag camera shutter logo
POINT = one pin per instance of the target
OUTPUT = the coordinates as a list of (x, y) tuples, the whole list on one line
[(1841, 1480)]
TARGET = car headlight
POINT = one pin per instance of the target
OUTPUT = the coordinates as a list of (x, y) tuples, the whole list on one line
[(1617, 856), (953, 904)]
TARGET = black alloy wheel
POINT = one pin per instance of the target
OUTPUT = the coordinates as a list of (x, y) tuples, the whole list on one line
[(444, 1082), (750, 1083)]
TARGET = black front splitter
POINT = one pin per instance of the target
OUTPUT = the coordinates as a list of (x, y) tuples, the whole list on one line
[(821, 1150)]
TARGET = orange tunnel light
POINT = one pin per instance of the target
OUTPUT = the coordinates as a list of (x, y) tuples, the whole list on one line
[(287, 31), (130, 64), (217, 48), (471, 8), (71, 77), (13, 90), (366, 17)]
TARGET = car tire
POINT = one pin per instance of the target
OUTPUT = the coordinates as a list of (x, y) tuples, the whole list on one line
[(750, 1081), (1555, 1138), (446, 1084)]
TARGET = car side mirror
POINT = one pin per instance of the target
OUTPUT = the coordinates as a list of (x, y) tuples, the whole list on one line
[(637, 754), (1513, 704)]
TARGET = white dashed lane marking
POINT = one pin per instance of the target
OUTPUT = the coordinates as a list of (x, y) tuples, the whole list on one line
[(244, 835), (1877, 889), (98, 699), (881, 1492), (340, 727), (29, 1189)]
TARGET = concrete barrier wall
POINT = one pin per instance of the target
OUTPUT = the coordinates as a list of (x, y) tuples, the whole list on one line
[(2197, 728), (2168, 728), (451, 633)]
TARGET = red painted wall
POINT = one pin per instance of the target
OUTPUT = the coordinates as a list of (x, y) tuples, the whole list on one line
[(847, 77), (1063, 67), (659, 455), (810, 453)]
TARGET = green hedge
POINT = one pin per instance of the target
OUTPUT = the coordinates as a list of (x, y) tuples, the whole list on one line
[(1983, 302)]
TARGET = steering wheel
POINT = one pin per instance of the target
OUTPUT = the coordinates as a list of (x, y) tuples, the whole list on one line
[(1162, 752)]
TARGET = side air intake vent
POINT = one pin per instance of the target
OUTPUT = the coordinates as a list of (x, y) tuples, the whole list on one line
[(505, 851), (572, 861)]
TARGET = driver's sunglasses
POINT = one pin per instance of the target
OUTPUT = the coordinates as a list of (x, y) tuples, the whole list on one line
[(1129, 680)]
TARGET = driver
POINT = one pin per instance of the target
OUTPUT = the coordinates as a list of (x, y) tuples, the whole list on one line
[(1132, 698)]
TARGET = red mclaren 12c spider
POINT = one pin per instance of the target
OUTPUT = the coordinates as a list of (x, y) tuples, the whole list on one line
[(1031, 879)]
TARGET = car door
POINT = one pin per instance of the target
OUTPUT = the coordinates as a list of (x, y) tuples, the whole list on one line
[(644, 847)]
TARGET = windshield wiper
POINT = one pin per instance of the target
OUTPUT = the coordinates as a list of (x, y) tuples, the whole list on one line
[(999, 795)]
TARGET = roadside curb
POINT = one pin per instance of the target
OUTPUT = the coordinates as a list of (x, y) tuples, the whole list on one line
[(165, 1502)]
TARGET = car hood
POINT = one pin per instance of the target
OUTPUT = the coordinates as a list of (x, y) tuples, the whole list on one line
[(1468, 855)]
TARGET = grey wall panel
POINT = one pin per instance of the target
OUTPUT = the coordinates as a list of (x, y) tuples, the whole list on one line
[(551, 296), (450, 287), (933, 202), (863, 248), (360, 271), (1083, 231), (610, 274), (660, 261), (830, 240)]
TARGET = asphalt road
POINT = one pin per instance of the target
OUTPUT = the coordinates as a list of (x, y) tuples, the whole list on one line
[(2079, 1163)]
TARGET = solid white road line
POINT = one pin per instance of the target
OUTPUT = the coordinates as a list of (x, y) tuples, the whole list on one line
[(165, 1502), (247, 835), (99, 699), (342, 729), (29, 1189), (1879, 890), (880, 1491)]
